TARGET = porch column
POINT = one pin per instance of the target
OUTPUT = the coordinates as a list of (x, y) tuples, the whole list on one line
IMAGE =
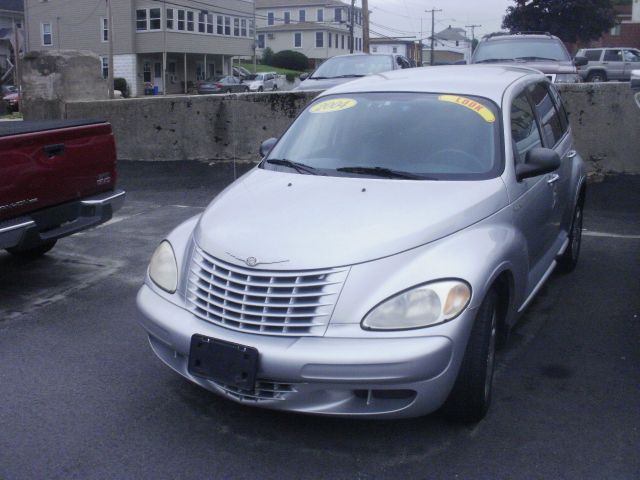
[(164, 72), (185, 74), (205, 67)]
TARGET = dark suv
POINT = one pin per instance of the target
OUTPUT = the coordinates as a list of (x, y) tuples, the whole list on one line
[(541, 51)]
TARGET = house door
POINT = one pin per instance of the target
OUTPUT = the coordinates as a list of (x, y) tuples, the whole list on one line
[(157, 76)]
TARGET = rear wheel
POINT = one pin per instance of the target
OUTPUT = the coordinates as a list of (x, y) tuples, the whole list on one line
[(569, 259), (470, 397), (275, 87), (32, 252), (246, 89), (260, 89), (596, 77)]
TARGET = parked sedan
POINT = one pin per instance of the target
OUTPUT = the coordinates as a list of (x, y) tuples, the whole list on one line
[(228, 84), (12, 100), (344, 68), (374, 260), (260, 82)]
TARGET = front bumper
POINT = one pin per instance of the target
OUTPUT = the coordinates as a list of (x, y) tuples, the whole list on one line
[(60, 221), (376, 377)]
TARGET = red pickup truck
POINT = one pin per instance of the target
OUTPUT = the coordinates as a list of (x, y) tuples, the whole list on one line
[(56, 178)]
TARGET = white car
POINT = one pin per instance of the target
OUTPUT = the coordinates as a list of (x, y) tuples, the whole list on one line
[(260, 82)]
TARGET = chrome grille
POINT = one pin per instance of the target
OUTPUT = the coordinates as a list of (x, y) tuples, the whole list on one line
[(263, 391), (293, 303)]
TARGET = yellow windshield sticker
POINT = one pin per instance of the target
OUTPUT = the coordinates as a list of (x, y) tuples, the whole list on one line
[(480, 109), (333, 105)]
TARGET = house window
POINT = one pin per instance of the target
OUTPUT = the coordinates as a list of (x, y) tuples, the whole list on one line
[(270, 18), (146, 72), (202, 27), (155, 19), (338, 15), (236, 27), (243, 27), (297, 39), (181, 20), (105, 66), (261, 40), (190, 23), (394, 49), (287, 17), (251, 29), (374, 49), (616, 30), (209, 23), (171, 68), (104, 29), (227, 25), (141, 20), (329, 37), (220, 25), (320, 15), (170, 24), (302, 15), (319, 39), (336, 40), (342, 42)]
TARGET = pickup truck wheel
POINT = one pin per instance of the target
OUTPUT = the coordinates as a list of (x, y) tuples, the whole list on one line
[(569, 259), (597, 77), (470, 397), (33, 252), (260, 89)]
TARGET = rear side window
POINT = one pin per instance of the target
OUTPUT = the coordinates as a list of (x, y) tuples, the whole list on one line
[(593, 55), (552, 127), (612, 56), (524, 129)]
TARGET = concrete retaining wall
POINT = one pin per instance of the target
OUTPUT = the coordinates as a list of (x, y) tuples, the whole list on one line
[(605, 119)]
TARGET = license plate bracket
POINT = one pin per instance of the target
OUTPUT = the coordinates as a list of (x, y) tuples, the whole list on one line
[(223, 362)]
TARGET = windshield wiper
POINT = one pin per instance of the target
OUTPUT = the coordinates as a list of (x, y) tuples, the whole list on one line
[(299, 167), (495, 60), (383, 172), (350, 75), (319, 78), (537, 58)]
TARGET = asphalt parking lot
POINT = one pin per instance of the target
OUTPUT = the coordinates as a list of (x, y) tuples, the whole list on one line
[(82, 395)]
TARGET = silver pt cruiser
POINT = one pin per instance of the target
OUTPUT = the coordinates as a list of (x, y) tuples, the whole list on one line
[(375, 259)]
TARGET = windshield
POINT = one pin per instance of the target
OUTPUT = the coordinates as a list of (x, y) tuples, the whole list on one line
[(393, 135), (521, 49), (357, 65)]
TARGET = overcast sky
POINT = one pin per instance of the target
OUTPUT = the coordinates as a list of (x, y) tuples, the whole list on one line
[(402, 17)]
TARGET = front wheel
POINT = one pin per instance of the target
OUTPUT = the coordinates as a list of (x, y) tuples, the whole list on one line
[(246, 89), (32, 252), (470, 397), (569, 259), (260, 89), (597, 77)]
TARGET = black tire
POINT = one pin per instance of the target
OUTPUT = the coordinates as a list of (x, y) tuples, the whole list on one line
[(228, 90), (260, 89), (246, 89), (470, 397), (33, 252), (597, 77), (569, 259), (275, 87)]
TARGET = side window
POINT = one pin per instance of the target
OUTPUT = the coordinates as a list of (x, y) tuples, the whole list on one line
[(612, 56), (593, 55), (552, 127), (524, 128), (564, 116)]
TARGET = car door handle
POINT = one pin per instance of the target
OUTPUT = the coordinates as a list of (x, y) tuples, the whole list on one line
[(54, 150), (571, 154), (553, 178)]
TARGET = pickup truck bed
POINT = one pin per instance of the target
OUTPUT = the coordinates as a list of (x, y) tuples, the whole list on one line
[(56, 178)]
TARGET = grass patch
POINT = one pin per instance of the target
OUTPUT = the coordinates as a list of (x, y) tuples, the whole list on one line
[(12, 116)]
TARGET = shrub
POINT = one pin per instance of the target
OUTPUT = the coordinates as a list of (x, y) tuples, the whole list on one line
[(121, 84), (267, 56), (290, 60)]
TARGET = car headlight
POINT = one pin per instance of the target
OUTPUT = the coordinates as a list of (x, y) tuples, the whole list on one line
[(419, 307), (163, 269), (567, 78)]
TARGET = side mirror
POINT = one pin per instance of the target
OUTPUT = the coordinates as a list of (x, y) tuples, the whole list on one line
[(538, 162), (635, 79), (267, 145), (580, 61), (304, 76)]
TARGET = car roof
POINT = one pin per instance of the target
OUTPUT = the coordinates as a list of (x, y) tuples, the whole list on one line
[(519, 36), (489, 81)]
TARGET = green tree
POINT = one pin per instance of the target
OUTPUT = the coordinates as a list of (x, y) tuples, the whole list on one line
[(267, 56), (570, 20)]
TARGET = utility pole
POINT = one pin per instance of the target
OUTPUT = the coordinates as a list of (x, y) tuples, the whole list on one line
[(352, 19), (255, 40), (110, 32), (433, 28), (16, 52), (473, 30), (365, 26)]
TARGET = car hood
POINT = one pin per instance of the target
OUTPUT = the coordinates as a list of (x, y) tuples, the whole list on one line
[(323, 84), (308, 221)]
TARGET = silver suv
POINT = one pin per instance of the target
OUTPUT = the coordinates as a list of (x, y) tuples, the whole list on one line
[(609, 64), (374, 260), (543, 52)]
